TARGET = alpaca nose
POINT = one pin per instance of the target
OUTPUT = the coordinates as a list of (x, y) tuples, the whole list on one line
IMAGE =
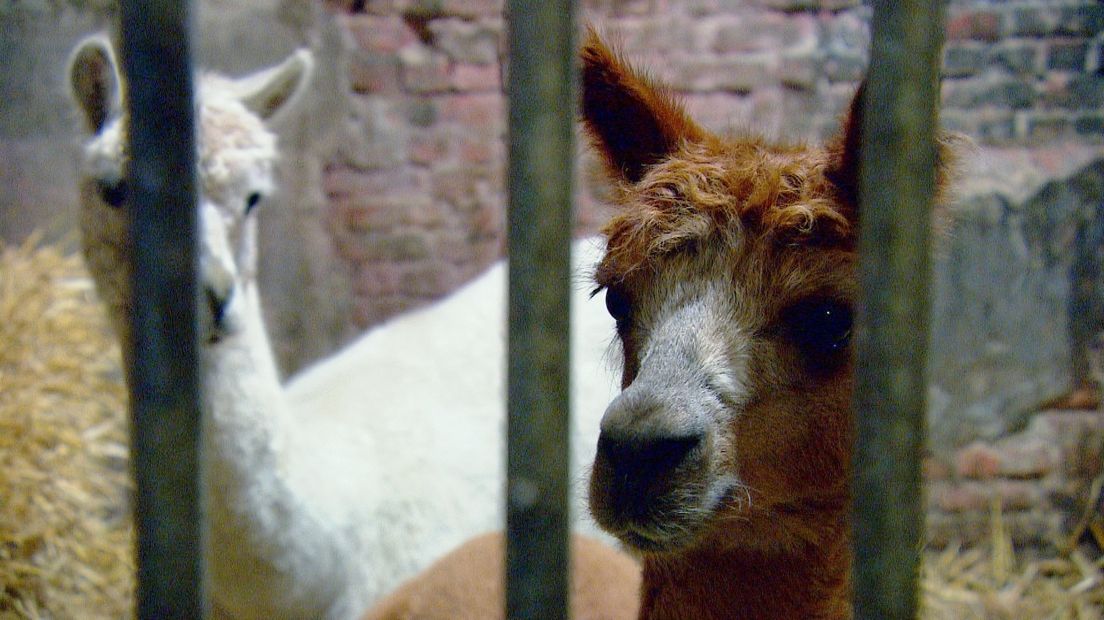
[(643, 438), (646, 458), (218, 289), (216, 304)]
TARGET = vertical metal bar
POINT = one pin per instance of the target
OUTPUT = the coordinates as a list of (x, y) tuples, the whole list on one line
[(542, 111), (897, 184), (165, 408)]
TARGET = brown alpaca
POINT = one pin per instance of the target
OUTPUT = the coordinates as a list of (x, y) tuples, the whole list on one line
[(730, 270), (467, 584)]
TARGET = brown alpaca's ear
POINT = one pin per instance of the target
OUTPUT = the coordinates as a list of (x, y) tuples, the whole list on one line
[(844, 171), (847, 152), (631, 121)]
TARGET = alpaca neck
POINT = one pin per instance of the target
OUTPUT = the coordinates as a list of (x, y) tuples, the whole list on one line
[(247, 415), (708, 582), (267, 546)]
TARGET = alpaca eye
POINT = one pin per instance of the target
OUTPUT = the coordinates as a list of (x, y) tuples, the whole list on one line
[(820, 328), (618, 305), (114, 193), (251, 202)]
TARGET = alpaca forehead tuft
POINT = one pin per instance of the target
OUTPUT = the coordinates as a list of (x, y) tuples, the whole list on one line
[(728, 190), (234, 146)]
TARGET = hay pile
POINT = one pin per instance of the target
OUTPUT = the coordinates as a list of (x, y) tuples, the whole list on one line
[(996, 583), (65, 527)]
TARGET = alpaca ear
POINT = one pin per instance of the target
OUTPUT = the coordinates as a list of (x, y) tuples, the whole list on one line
[(270, 91), (844, 170), (94, 81), (631, 121)]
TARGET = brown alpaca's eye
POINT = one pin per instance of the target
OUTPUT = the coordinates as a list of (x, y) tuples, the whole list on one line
[(820, 328), (114, 193), (251, 202), (618, 306)]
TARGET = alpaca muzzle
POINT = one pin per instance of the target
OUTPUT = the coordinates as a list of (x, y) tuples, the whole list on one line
[(218, 292)]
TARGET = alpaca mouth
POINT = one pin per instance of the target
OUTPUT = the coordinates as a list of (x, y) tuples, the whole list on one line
[(654, 541), (655, 523), (668, 520)]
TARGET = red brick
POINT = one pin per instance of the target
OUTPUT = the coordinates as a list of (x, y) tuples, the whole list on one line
[(488, 223), (1018, 494), (373, 74), (428, 278), (977, 460), (372, 310), (340, 181), (476, 78), (424, 213), (702, 73), (349, 246), (477, 110), (456, 186), (363, 216), (1025, 459), (965, 497), (975, 496), (472, 8), (481, 149), (380, 34), (979, 25), (426, 72), (621, 8), (468, 41), (765, 31), (378, 279), (647, 36), (429, 148), (454, 246)]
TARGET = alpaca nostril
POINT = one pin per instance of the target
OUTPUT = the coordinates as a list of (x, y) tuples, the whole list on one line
[(647, 456)]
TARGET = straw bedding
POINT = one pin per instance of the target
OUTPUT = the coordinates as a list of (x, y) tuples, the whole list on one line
[(65, 528), (997, 582)]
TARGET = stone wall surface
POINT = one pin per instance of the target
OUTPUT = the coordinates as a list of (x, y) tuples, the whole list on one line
[(1017, 297), (394, 170)]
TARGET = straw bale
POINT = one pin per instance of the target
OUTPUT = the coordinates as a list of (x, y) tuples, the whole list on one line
[(66, 534)]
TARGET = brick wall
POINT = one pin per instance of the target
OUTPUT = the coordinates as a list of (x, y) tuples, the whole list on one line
[(415, 193), (1038, 478), (1024, 72), (414, 188)]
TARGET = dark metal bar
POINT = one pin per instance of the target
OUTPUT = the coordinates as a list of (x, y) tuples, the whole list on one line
[(165, 406), (542, 111), (897, 184)]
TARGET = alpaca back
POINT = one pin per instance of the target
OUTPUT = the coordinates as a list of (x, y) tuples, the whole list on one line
[(419, 403), (468, 584)]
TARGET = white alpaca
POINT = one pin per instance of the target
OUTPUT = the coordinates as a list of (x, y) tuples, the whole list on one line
[(325, 495)]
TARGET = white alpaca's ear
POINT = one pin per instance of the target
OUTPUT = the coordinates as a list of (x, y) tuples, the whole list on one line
[(94, 81), (273, 90)]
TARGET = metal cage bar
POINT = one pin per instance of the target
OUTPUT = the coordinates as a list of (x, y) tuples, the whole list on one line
[(165, 405), (541, 117), (897, 184)]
